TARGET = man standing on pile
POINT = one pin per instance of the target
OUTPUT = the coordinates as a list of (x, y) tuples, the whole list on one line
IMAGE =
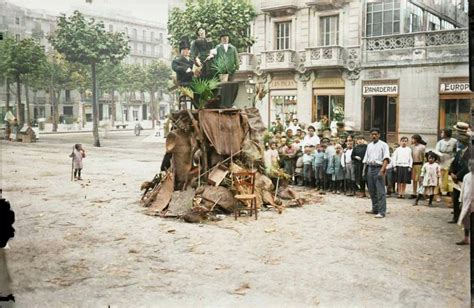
[(183, 65), (377, 157)]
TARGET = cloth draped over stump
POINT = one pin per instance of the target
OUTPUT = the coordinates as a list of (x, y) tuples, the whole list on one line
[(224, 128)]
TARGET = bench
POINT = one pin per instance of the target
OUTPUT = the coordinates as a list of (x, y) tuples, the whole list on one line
[(123, 126)]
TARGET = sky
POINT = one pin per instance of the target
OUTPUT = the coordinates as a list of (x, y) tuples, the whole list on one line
[(152, 10)]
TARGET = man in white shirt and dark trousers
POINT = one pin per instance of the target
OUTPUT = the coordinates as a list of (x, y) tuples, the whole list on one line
[(376, 158)]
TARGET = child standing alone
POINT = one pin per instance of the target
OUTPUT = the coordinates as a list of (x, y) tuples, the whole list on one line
[(77, 155), (429, 177)]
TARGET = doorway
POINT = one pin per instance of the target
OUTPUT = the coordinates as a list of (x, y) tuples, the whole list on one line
[(381, 112)]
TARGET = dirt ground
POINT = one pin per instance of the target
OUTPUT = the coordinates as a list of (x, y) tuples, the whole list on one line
[(88, 243)]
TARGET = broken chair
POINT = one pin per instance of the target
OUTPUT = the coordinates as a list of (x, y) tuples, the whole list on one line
[(244, 183)]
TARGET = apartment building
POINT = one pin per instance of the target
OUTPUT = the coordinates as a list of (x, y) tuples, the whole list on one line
[(400, 65), (147, 41)]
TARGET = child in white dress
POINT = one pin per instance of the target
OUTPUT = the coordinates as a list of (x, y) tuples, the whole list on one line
[(429, 177)]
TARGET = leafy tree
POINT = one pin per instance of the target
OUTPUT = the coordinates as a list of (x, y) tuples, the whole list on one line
[(20, 59), (110, 77), (5, 47), (132, 81), (215, 16), (158, 75), (84, 41)]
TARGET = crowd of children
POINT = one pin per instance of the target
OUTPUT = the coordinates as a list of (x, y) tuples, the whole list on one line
[(333, 162)]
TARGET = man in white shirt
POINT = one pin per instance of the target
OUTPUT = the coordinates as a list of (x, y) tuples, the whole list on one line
[(376, 158), (311, 138), (294, 126)]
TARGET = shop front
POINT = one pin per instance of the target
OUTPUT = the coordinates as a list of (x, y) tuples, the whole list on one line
[(380, 107), (283, 99), (455, 101), (328, 99)]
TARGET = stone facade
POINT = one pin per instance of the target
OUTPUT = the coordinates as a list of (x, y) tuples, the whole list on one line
[(329, 56)]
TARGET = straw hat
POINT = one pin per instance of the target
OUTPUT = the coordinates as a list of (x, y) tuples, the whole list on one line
[(461, 127)]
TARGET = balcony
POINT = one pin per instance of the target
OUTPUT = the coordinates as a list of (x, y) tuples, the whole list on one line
[(434, 47), (320, 57), (279, 7), (278, 60), (322, 5), (247, 62)]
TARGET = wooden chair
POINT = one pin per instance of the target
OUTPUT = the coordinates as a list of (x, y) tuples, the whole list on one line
[(244, 183)]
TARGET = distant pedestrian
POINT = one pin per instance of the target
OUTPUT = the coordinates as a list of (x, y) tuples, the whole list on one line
[(77, 155), (377, 157), (319, 165), (349, 175), (429, 178)]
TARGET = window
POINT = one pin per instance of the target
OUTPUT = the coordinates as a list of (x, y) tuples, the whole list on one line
[(383, 18), (17, 20), (144, 34), (17, 37), (284, 106), (111, 28), (68, 111), (456, 110), (434, 22), (415, 18), (329, 27), (331, 106), (152, 35), (67, 95), (161, 37), (144, 48), (135, 47), (134, 33), (445, 25), (283, 35), (126, 31)]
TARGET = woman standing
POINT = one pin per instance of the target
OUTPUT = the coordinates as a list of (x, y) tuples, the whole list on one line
[(447, 147)]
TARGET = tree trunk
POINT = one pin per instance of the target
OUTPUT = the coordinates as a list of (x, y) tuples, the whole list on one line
[(27, 100), (95, 109), (54, 116), (8, 94), (113, 107), (152, 109), (19, 109)]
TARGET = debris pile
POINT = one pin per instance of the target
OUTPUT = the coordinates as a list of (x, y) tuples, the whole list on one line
[(205, 149)]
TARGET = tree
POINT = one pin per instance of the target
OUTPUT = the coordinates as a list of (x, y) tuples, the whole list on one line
[(84, 41), (110, 76), (5, 46), (215, 16), (21, 58), (157, 77)]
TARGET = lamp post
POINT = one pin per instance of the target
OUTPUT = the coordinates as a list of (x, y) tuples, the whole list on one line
[(250, 87)]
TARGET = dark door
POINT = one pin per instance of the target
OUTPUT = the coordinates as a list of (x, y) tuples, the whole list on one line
[(380, 115)]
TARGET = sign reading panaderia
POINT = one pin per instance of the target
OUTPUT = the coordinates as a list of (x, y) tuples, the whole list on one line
[(380, 89)]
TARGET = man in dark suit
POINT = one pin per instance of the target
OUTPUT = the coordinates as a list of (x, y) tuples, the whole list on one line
[(227, 50), (183, 65)]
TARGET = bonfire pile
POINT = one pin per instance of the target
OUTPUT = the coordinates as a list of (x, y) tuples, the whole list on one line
[(205, 149)]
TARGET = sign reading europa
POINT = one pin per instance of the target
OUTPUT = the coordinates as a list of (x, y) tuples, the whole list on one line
[(458, 87), (380, 89)]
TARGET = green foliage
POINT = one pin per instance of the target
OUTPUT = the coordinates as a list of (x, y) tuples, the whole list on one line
[(204, 90), (85, 41), (109, 76), (157, 77), (19, 58), (215, 16), (222, 65)]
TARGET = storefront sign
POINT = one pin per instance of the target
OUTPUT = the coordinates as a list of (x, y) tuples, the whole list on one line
[(283, 84), (454, 87), (328, 83), (380, 89)]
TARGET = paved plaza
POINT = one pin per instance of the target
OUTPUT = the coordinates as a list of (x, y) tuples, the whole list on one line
[(88, 243)]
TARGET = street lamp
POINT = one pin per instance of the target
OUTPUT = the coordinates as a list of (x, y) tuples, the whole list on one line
[(250, 87)]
